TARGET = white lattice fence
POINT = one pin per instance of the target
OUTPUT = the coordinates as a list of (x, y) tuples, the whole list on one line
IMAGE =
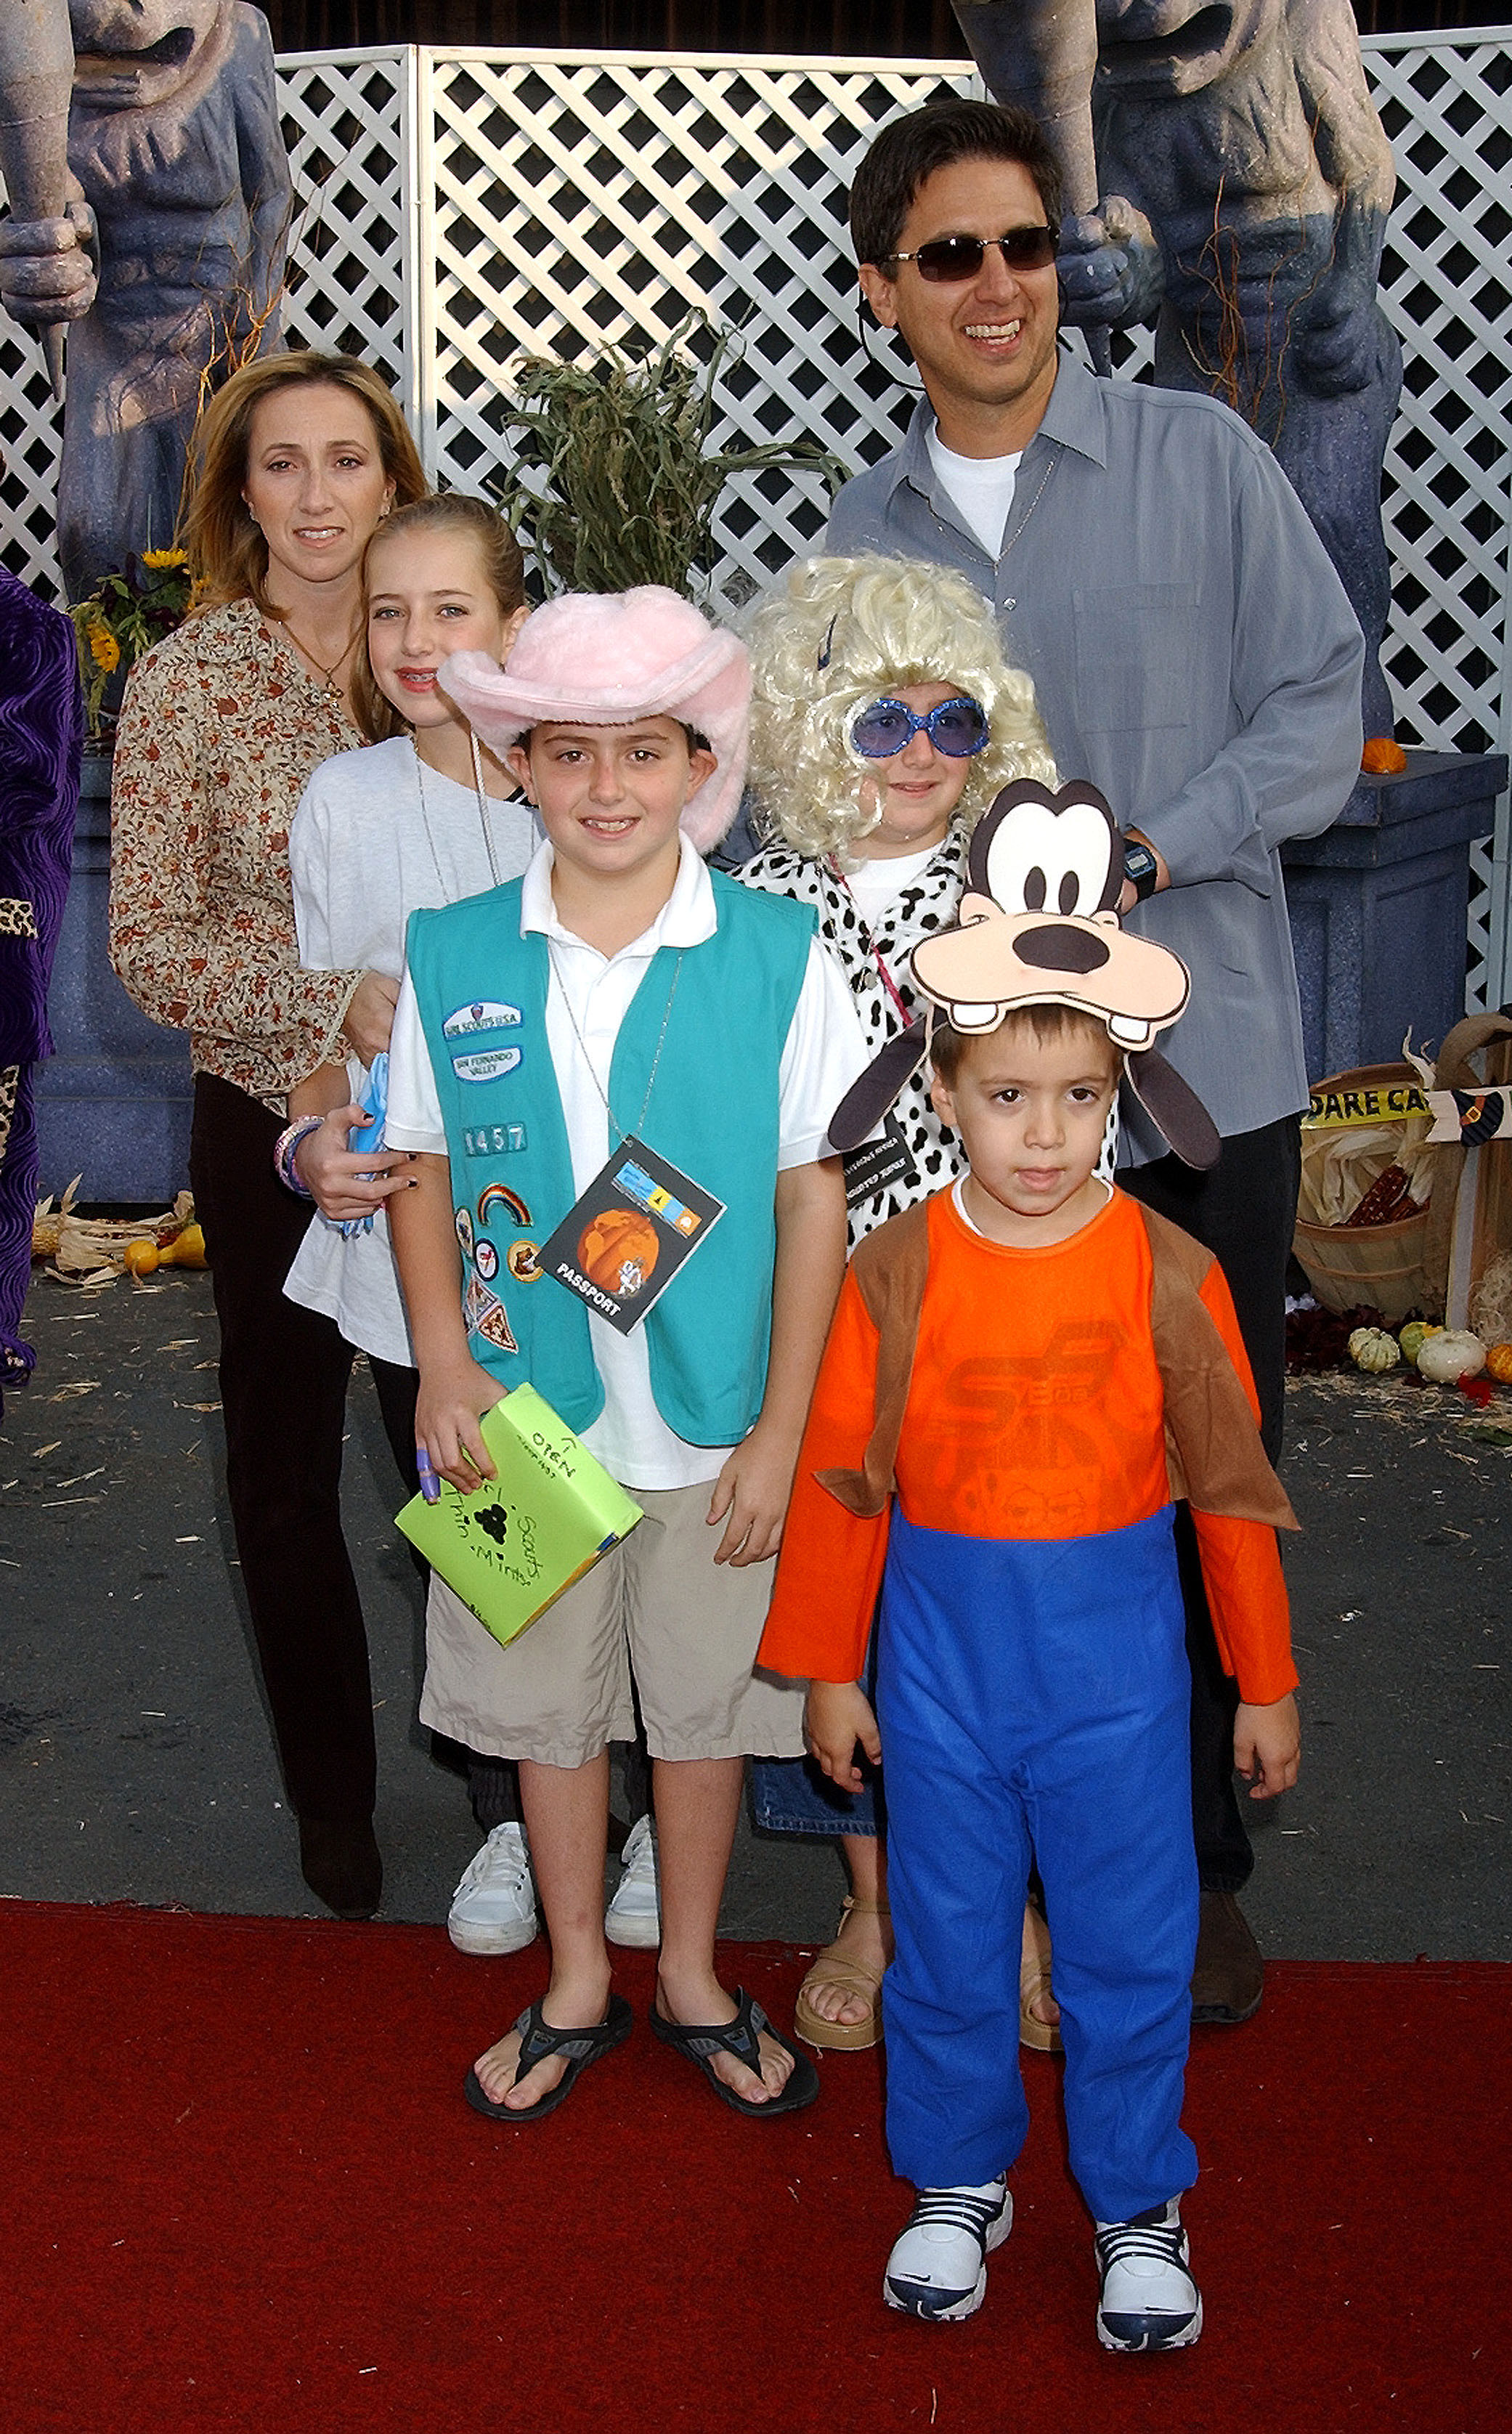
[(560, 200), (348, 123), (31, 443), (1447, 285), (577, 201)]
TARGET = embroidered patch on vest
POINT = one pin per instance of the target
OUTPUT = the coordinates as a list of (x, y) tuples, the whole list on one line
[(484, 1315), (488, 1064), (492, 1140), (463, 1221), (486, 1259), (485, 1014), (497, 1195)]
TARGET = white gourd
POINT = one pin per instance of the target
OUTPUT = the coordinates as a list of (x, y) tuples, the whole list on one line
[(1372, 1349), (1446, 1358)]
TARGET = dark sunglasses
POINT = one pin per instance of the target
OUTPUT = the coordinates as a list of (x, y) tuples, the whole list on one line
[(958, 728), (947, 261)]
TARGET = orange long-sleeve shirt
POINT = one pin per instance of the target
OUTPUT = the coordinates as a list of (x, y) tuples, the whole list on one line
[(1035, 1410)]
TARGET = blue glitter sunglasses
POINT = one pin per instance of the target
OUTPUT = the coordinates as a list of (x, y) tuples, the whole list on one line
[(958, 727)]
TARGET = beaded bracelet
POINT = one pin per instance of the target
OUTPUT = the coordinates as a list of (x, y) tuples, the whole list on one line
[(286, 1148)]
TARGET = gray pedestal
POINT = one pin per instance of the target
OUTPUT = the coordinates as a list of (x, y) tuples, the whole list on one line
[(1379, 905), (113, 1103)]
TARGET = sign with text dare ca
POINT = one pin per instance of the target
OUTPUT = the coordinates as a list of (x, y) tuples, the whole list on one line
[(1390, 1103)]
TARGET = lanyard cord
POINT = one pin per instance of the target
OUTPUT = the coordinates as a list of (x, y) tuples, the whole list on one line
[(620, 1134), (872, 948), (483, 808), (483, 816)]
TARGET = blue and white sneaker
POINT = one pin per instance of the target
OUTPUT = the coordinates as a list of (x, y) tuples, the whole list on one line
[(1149, 2300), (937, 2268)]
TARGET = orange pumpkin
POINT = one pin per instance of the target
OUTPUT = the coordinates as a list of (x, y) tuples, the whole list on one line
[(617, 1251), (1499, 1362), (1383, 757)]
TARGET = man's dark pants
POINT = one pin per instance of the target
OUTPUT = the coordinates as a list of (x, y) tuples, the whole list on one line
[(1243, 1210)]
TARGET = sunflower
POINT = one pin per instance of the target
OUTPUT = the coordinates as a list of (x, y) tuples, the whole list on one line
[(160, 558), (103, 649)]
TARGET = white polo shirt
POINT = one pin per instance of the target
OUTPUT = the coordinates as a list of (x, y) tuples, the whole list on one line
[(823, 1053)]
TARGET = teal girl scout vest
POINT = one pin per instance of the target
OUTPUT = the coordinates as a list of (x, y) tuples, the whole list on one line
[(481, 989)]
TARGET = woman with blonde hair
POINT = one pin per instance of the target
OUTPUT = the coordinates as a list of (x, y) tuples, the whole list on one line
[(300, 457), (883, 722)]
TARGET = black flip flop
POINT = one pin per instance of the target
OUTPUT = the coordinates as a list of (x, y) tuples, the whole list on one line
[(738, 2037), (539, 2039)]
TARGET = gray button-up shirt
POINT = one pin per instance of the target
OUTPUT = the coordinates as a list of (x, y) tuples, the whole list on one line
[(1196, 657)]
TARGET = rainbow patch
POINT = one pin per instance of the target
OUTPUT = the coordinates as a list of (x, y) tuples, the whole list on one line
[(495, 1193)]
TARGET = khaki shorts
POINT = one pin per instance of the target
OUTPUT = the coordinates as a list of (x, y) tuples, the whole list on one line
[(659, 1605)]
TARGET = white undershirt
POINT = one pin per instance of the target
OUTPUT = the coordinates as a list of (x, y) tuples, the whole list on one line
[(979, 488), (880, 882), (959, 1203)]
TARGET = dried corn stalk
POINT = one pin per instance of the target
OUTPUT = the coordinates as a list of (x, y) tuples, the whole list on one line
[(93, 1249)]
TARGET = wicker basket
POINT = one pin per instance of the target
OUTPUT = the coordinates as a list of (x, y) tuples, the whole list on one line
[(1380, 1266)]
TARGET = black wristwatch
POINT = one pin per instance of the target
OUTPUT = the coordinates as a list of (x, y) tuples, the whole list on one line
[(1140, 869)]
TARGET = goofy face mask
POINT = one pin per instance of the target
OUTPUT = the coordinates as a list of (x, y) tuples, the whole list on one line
[(1037, 926)]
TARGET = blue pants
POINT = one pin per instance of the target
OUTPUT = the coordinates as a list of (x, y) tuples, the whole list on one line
[(1033, 1698)]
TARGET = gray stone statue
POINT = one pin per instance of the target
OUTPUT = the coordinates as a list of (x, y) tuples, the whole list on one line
[(165, 256), (1243, 181)]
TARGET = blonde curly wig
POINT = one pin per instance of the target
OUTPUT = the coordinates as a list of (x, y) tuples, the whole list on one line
[(839, 633)]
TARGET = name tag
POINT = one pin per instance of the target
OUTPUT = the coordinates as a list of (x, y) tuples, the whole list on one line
[(622, 1242), (877, 1165)]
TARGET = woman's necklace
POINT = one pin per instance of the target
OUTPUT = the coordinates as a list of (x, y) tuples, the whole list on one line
[(332, 685), (483, 814)]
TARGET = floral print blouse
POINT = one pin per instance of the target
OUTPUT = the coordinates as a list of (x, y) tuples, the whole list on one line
[(221, 728)]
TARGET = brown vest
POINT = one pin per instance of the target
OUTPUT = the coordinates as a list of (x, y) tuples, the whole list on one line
[(1214, 1456)]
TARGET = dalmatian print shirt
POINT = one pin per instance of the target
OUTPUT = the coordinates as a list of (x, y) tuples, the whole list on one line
[(928, 903)]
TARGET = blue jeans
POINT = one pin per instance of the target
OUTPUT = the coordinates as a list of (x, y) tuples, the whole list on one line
[(792, 1795)]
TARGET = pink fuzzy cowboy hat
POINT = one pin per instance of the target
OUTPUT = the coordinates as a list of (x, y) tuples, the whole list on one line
[(607, 658)]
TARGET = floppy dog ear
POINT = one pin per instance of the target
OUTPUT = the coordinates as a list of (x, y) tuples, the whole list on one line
[(1175, 1107), (869, 1099)]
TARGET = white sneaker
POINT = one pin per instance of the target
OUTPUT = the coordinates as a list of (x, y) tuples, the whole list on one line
[(1149, 2300), (634, 1914), (493, 1909), (937, 2268)]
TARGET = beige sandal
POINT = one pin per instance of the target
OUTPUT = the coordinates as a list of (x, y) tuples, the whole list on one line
[(1034, 1981), (834, 1968)]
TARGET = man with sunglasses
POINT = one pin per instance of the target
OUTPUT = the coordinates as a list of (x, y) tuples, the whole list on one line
[(1194, 655)]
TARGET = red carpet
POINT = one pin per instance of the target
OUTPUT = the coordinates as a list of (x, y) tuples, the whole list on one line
[(240, 2188)]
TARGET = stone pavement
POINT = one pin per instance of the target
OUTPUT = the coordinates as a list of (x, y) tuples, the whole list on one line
[(135, 1763)]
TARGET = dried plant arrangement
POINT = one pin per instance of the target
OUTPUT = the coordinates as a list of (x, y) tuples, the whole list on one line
[(614, 482), (95, 1250), (126, 615)]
